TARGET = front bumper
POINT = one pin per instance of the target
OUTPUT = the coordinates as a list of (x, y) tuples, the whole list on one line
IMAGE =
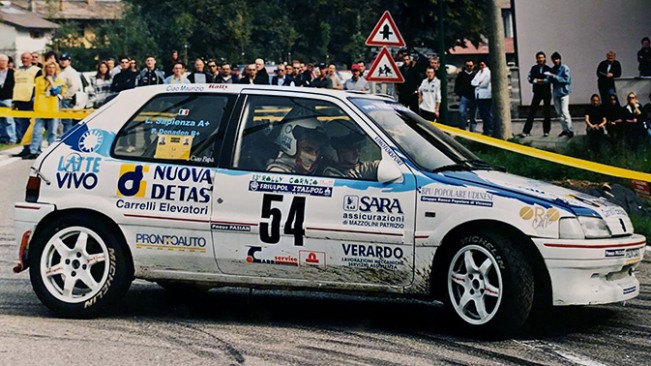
[(27, 215), (593, 271)]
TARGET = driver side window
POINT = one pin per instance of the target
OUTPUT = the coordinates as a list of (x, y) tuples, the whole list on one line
[(301, 136)]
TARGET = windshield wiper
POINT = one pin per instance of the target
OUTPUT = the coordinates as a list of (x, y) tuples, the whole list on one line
[(463, 166), (479, 164), (471, 164)]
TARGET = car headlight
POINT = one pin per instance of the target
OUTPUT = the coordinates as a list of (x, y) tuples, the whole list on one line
[(583, 227), (570, 228), (594, 227)]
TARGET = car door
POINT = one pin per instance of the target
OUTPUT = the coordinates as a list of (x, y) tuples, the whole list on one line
[(163, 163), (317, 226)]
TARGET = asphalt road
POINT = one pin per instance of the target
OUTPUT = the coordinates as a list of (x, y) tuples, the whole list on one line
[(239, 327)]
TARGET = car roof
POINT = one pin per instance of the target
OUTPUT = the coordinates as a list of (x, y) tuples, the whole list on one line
[(238, 88)]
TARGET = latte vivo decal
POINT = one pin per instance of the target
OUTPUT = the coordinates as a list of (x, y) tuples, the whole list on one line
[(173, 189), (381, 212), (456, 196), (540, 217), (368, 256), (75, 171)]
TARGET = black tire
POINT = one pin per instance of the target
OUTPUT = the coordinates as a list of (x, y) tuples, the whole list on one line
[(84, 251), (489, 285)]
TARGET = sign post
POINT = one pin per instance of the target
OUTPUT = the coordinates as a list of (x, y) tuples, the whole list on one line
[(384, 69)]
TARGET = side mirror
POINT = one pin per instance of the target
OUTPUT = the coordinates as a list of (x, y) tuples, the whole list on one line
[(389, 172)]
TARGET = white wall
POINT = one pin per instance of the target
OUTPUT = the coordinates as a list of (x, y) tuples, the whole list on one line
[(24, 42), (15, 41), (582, 31), (7, 40)]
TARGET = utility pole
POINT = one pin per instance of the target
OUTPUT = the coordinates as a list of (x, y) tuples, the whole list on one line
[(444, 73), (499, 73)]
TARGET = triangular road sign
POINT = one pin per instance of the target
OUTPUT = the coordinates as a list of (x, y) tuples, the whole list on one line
[(385, 33), (384, 69)]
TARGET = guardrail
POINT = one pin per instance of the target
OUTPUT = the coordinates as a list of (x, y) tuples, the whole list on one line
[(505, 145)]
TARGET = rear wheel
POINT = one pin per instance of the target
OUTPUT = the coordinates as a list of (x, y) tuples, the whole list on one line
[(490, 284), (78, 267)]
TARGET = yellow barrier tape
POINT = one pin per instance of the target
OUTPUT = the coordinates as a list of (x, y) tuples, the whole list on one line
[(64, 113), (546, 155), (491, 141)]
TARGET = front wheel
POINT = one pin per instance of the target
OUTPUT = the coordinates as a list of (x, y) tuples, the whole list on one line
[(78, 267), (490, 284)]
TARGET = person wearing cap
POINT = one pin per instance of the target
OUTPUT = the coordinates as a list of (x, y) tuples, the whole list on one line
[(348, 144), (357, 82), (321, 77), (72, 81)]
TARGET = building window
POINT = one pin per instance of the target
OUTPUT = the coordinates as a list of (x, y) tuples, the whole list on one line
[(507, 18), (36, 34)]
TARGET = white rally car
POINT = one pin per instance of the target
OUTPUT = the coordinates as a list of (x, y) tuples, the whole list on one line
[(234, 185)]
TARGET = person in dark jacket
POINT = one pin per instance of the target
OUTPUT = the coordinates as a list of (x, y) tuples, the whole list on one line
[(150, 75), (607, 71), (633, 122), (261, 75), (644, 57), (7, 124), (281, 78), (408, 91), (613, 113), (200, 75), (538, 77), (226, 76), (466, 94), (595, 123), (125, 79)]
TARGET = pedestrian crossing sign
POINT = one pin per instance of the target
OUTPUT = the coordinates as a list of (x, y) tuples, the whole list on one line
[(384, 69)]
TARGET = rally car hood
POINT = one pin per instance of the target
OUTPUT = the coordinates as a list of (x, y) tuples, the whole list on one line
[(580, 204)]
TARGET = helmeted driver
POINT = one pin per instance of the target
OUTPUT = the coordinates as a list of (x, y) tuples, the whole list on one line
[(300, 143), (348, 143)]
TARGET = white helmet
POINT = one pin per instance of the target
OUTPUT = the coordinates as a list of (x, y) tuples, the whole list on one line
[(293, 130)]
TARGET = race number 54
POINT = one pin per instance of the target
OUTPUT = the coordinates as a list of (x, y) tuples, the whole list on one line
[(270, 230)]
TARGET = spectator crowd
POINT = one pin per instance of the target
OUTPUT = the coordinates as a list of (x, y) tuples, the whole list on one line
[(55, 84)]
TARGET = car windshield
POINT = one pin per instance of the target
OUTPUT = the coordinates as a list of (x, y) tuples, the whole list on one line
[(425, 145)]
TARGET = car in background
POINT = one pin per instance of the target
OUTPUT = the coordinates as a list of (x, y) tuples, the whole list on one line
[(205, 185)]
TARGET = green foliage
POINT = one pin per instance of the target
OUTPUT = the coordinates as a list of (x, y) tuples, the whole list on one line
[(239, 31)]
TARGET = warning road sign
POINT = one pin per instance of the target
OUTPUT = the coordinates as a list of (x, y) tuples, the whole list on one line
[(384, 69), (385, 33)]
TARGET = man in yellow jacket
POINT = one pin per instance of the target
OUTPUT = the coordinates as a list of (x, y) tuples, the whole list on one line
[(23, 95), (48, 91)]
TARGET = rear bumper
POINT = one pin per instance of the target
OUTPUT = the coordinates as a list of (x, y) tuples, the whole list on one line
[(26, 217), (599, 271)]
